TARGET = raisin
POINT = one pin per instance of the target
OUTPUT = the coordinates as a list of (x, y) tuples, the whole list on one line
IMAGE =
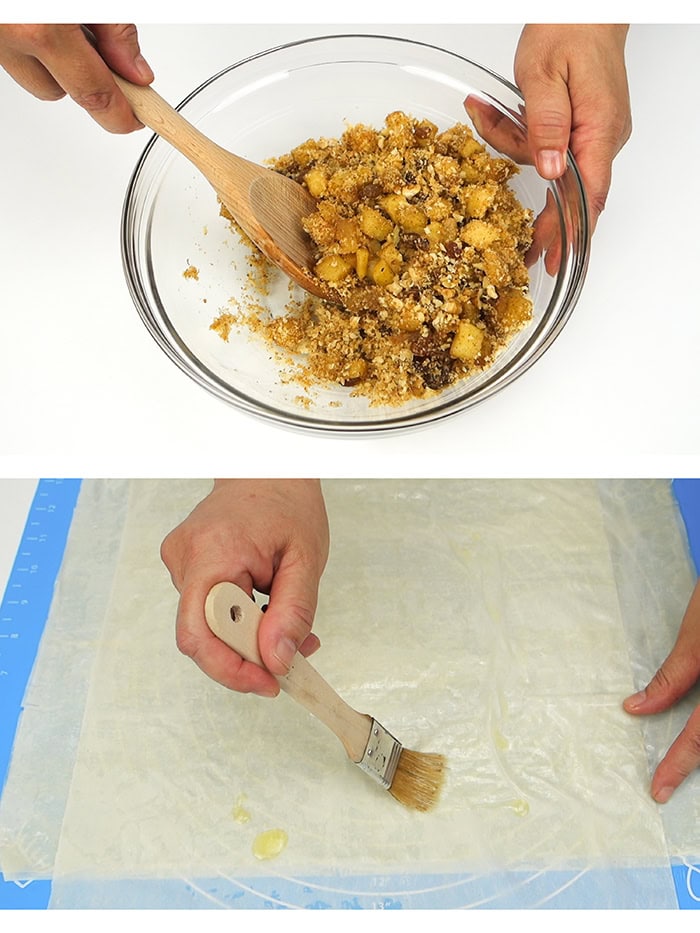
[(370, 191), (432, 363), (423, 131), (435, 371)]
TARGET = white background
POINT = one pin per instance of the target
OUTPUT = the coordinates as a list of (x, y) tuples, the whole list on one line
[(85, 390)]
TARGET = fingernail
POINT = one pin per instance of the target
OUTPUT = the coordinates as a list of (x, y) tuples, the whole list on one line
[(664, 794), (143, 68), (550, 163), (636, 699), (476, 120), (285, 651)]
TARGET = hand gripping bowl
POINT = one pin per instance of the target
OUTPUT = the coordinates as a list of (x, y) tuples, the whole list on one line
[(265, 106)]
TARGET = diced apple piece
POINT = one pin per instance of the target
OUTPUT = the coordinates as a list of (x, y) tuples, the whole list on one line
[(467, 341), (333, 268)]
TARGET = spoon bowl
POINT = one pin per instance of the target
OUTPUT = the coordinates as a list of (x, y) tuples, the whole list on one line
[(268, 206)]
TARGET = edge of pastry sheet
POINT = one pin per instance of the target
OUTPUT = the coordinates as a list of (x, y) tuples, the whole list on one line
[(654, 581), (38, 781)]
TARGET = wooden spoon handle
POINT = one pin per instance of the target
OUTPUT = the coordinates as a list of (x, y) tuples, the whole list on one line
[(266, 204), (157, 114), (234, 618)]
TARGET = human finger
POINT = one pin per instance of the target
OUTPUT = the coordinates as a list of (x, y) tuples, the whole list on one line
[(679, 672), (286, 625), (548, 117), (118, 44), (310, 645), (672, 681), (498, 129), (682, 758), (195, 639), (31, 75), (594, 161), (78, 68), (546, 237)]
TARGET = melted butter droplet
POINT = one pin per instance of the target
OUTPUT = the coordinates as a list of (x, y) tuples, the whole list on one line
[(270, 844), (520, 807), (239, 813)]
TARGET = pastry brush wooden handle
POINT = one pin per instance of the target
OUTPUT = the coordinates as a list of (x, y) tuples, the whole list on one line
[(234, 618)]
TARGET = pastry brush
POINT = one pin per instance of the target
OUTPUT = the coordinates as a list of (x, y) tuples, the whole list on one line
[(413, 778)]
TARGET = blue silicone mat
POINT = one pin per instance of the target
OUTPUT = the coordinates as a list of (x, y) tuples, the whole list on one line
[(23, 614)]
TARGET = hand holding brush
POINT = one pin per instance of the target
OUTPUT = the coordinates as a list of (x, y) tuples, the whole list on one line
[(413, 778)]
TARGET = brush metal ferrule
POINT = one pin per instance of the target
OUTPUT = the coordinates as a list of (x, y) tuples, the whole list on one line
[(381, 757)]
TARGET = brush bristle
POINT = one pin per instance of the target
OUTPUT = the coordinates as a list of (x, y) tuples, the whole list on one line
[(418, 779)]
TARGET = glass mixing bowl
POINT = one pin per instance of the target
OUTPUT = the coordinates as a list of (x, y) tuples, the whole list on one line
[(265, 106)]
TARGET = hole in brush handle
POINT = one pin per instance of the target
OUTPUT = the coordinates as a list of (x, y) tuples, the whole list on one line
[(233, 617)]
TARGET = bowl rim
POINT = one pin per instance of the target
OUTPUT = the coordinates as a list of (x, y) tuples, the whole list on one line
[(304, 420)]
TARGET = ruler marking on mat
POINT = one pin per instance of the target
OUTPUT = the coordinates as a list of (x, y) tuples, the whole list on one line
[(23, 614)]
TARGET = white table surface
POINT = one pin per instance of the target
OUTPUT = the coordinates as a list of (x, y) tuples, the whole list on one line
[(85, 390)]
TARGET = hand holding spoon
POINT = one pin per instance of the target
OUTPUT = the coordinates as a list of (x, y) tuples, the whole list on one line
[(267, 205)]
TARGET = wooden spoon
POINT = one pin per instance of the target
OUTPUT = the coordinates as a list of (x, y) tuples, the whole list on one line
[(267, 205)]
